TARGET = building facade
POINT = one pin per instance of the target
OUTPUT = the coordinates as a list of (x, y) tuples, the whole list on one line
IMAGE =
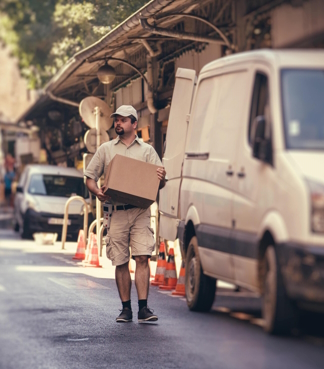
[(145, 52)]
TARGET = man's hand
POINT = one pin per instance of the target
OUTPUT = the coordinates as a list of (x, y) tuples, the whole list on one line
[(99, 192), (101, 195), (161, 173)]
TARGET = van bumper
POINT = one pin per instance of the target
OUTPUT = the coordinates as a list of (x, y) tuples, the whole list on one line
[(303, 272), (39, 222)]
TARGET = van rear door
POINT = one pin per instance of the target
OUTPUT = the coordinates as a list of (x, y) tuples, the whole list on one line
[(174, 153)]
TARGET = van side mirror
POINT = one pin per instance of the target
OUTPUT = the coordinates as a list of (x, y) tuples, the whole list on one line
[(19, 189), (261, 145)]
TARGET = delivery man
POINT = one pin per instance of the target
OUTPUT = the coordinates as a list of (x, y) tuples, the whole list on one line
[(130, 225)]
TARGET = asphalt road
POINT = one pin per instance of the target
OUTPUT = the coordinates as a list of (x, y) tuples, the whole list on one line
[(55, 314)]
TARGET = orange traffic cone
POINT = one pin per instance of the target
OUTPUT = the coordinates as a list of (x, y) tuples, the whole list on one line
[(130, 267), (89, 247), (180, 288), (160, 268), (80, 252), (170, 274), (93, 257)]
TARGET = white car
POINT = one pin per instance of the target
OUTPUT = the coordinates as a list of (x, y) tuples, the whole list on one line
[(245, 192), (41, 196)]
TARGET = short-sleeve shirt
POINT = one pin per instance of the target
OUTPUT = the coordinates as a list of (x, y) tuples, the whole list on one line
[(136, 150)]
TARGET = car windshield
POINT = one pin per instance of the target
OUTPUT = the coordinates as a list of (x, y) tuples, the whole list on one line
[(303, 108), (57, 185)]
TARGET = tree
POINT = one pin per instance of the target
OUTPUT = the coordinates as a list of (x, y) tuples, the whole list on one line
[(45, 34)]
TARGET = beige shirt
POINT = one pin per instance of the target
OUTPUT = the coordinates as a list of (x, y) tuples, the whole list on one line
[(136, 150)]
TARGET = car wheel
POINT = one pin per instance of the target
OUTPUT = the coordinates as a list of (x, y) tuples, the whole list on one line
[(23, 231), (200, 289), (280, 314), (16, 227)]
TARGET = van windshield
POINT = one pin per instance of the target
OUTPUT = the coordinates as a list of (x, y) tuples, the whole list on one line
[(303, 108), (57, 185)]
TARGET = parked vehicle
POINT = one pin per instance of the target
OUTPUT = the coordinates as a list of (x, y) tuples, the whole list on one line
[(245, 192), (41, 196)]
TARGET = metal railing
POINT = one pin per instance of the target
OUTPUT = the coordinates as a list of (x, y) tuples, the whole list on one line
[(101, 231), (66, 215)]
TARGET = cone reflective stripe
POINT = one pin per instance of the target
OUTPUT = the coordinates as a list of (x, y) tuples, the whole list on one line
[(170, 274), (93, 257), (180, 288), (160, 268), (80, 252)]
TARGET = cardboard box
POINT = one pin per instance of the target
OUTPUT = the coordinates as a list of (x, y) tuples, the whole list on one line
[(131, 181)]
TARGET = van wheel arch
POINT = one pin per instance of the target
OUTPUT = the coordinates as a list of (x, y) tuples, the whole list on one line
[(266, 241), (188, 234)]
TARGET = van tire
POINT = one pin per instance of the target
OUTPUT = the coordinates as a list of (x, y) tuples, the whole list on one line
[(280, 314), (200, 289)]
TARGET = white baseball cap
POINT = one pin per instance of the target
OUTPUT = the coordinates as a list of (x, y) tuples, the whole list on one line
[(125, 111)]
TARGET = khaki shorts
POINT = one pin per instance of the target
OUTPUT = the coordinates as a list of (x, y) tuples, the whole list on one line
[(129, 229)]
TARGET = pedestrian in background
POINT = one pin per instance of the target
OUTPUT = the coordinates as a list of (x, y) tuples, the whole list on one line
[(130, 225), (9, 178)]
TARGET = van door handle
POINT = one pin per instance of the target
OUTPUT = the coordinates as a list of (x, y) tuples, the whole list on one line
[(229, 172), (241, 174)]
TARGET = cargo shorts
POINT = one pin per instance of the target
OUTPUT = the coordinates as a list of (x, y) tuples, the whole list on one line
[(129, 229)]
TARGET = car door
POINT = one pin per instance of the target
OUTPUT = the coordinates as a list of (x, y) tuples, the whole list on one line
[(210, 164), (174, 152), (253, 183)]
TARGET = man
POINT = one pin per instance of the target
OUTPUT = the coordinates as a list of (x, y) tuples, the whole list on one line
[(130, 226)]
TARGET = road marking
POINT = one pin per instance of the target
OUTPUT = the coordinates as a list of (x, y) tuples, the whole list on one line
[(241, 316), (62, 259), (77, 339), (2, 288), (78, 283), (251, 295), (5, 216), (257, 321), (165, 292), (221, 309)]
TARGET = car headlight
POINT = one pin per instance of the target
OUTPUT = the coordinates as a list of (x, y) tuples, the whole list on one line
[(33, 204), (317, 206)]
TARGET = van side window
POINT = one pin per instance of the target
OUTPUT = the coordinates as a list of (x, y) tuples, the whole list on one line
[(204, 108), (260, 100)]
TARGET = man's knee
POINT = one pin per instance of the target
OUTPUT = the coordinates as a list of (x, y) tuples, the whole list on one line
[(122, 267), (141, 260)]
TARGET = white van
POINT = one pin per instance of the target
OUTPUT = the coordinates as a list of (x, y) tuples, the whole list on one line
[(245, 192)]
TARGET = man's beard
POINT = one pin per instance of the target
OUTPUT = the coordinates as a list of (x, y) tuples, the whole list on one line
[(120, 132)]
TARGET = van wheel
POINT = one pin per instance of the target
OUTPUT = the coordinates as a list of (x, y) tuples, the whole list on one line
[(200, 289), (279, 313)]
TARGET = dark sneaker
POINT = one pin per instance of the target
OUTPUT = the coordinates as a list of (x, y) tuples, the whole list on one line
[(125, 316), (146, 315)]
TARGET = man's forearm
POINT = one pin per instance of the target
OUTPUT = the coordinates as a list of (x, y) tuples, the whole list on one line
[(92, 186)]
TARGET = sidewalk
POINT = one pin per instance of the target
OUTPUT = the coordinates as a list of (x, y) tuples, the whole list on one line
[(6, 217)]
